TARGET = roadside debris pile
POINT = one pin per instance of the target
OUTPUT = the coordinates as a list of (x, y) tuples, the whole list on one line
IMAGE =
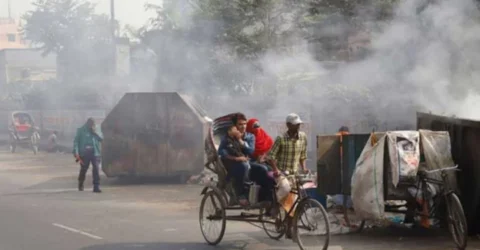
[(203, 178)]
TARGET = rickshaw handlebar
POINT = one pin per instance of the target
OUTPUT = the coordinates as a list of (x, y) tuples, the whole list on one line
[(454, 168)]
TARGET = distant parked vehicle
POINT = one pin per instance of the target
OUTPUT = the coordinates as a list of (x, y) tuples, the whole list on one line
[(23, 131)]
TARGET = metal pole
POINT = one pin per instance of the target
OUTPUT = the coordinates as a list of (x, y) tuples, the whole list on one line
[(9, 10), (112, 15), (114, 43)]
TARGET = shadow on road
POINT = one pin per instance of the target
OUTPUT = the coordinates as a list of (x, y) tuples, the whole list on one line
[(56, 183), (399, 237), (71, 182), (126, 181), (170, 246), (372, 239)]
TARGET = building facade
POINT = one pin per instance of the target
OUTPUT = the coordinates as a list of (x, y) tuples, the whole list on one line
[(26, 66), (10, 34)]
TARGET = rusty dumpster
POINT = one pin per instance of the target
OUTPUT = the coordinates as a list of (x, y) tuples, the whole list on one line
[(154, 135), (465, 138)]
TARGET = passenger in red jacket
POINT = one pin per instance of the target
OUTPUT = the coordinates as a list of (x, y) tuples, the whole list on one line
[(259, 170), (263, 142)]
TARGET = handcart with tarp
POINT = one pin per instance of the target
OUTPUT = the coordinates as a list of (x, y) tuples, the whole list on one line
[(408, 172)]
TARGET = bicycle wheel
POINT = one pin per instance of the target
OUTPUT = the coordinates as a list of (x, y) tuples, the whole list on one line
[(274, 225), (13, 147), (212, 217), (311, 217), (12, 144), (33, 141), (457, 223)]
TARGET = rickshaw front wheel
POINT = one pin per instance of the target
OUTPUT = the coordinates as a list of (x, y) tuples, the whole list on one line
[(213, 217), (311, 226)]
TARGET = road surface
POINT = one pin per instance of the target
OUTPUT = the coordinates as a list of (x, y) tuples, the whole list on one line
[(40, 209)]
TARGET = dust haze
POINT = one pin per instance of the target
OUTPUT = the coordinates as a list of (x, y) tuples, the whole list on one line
[(423, 59)]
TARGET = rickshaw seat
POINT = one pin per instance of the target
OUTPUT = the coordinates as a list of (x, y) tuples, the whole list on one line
[(22, 128)]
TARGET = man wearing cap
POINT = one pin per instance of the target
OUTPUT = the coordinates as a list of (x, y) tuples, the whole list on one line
[(288, 152), (290, 149)]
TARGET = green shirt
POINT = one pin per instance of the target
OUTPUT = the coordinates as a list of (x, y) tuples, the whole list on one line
[(85, 138)]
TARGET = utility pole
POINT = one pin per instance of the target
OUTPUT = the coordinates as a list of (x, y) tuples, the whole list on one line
[(114, 40), (112, 16), (9, 10)]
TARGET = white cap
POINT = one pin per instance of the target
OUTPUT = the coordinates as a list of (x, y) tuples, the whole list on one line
[(294, 119)]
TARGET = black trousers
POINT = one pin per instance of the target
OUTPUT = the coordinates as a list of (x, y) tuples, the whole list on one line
[(259, 174), (90, 158)]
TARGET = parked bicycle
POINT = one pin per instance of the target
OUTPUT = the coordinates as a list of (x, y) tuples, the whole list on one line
[(454, 216)]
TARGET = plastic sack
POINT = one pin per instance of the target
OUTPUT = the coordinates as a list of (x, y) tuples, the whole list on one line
[(367, 180), (283, 187), (404, 151)]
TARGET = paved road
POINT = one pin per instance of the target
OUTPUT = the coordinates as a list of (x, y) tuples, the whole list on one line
[(40, 209)]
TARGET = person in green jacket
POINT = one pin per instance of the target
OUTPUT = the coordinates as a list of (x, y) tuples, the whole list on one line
[(86, 149)]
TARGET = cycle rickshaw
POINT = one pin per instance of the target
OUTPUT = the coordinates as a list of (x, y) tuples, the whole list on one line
[(23, 131), (219, 195)]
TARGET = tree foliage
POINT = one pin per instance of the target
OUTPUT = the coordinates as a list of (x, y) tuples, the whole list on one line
[(69, 28), (220, 42), (251, 27)]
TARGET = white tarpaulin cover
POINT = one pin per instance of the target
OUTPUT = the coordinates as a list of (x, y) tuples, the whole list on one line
[(404, 152), (438, 153), (367, 180)]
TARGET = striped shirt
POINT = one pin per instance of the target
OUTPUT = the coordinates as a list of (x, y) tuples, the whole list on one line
[(289, 151)]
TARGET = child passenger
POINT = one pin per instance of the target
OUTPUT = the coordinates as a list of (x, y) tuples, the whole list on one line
[(237, 162)]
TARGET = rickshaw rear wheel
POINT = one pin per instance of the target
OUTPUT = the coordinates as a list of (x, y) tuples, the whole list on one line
[(278, 230), (359, 228), (355, 226), (214, 217), (457, 223), (341, 215)]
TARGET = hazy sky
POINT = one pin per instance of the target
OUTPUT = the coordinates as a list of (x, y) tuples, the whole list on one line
[(127, 11)]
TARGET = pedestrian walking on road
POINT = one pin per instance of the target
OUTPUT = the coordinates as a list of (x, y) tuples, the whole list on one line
[(86, 149)]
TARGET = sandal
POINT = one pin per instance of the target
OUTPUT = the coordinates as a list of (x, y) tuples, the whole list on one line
[(243, 202)]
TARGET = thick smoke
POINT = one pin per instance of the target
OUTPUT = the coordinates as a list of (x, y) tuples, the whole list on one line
[(421, 60)]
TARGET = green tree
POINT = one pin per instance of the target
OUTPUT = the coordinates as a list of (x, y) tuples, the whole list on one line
[(70, 29), (251, 27)]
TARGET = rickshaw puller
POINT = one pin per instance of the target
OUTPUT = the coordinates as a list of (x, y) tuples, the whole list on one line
[(289, 151)]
